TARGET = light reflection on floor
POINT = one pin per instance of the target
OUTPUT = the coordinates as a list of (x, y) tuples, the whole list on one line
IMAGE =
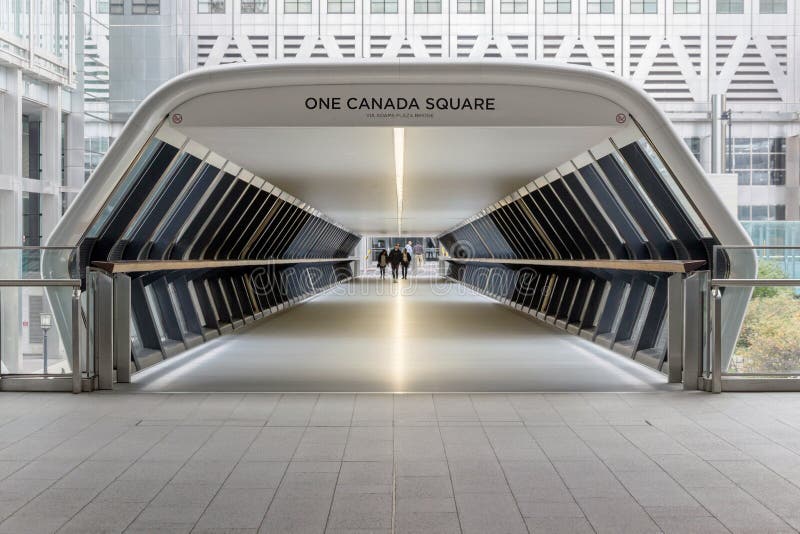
[(419, 334)]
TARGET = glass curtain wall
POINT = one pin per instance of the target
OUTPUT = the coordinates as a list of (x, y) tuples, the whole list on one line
[(15, 17), (53, 23)]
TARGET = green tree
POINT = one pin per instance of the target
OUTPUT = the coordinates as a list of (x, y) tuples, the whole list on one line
[(770, 337), (770, 270)]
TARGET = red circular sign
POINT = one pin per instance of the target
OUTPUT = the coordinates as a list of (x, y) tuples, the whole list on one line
[(621, 118), (177, 118)]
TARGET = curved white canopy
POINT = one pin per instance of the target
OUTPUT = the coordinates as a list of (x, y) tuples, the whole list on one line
[(474, 132)]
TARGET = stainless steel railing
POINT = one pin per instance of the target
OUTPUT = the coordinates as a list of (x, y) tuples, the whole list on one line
[(719, 284), (16, 272)]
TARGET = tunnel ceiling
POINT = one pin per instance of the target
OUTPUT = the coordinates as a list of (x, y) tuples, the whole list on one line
[(349, 173)]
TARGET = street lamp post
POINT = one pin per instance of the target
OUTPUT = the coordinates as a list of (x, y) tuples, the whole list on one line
[(45, 323)]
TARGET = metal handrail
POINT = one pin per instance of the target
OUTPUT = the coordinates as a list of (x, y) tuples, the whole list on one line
[(137, 266), (663, 266), (755, 282), (715, 286), (42, 248), (73, 283), (40, 282), (36, 247), (757, 247), (762, 375)]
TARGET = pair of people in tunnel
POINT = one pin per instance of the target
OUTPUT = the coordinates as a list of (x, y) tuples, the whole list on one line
[(399, 258)]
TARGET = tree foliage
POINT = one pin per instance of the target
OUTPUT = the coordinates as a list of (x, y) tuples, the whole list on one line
[(769, 270), (770, 338)]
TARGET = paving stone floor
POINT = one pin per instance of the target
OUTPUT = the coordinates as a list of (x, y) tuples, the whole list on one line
[(482, 463)]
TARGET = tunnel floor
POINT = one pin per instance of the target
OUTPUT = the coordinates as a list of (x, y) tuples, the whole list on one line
[(418, 335)]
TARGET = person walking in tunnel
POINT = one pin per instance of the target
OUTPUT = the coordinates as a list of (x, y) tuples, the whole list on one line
[(395, 258), (405, 261), (419, 256), (383, 260), (409, 248)]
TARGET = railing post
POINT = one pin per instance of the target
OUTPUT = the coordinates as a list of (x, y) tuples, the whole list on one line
[(102, 321), (121, 323), (694, 321), (76, 341), (675, 327), (716, 363)]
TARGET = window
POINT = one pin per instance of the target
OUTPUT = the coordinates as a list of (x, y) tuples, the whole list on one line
[(599, 6), (773, 212), (744, 213), (730, 7), (146, 7), (773, 7), (471, 6), (341, 6), (31, 230), (427, 6), (251, 7), (297, 6), (102, 7), (759, 213), (686, 6), (383, 6), (211, 6), (558, 6), (116, 7), (513, 6), (759, 161), (644, 6)]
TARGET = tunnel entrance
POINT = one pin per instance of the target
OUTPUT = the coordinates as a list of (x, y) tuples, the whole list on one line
[(237, 194)]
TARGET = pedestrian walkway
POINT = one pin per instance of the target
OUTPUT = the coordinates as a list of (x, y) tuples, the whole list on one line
[(420, 334), (674, 462)]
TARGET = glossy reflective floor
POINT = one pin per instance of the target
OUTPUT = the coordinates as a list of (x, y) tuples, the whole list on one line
[(421, 334)]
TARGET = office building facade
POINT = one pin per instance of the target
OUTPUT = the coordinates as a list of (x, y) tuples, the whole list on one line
[(680, 51), (41, 147)]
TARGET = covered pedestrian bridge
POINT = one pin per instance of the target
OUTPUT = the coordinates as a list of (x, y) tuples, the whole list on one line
[(576, 232)]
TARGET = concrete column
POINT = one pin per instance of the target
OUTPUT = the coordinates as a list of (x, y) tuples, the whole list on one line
[(361, 251), (793, 178), (50, 132), (10, 310), (74, 154), (10, 217), (717, 134), (11, 123), (50, 135)]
